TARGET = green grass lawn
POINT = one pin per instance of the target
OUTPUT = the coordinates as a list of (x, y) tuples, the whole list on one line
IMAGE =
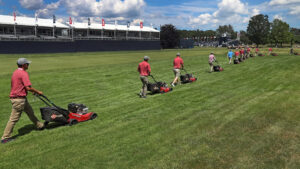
[(247, 116)]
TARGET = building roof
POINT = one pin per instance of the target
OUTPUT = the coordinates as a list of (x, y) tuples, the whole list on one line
[(98, 26), (27, 21)]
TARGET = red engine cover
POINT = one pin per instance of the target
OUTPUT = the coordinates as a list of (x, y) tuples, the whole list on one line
[(164, 89), (192, 79), (80, 117)]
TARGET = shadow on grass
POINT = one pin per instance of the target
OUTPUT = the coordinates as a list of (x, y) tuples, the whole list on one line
[(150, 94), (31, 127)]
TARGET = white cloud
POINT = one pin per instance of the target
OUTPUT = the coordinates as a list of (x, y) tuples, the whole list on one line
[(230, 7), (277, 17), (283, 2), (203, 19), (89, 8), (31, 4), (255, 12), (48, 10), (104, 8), (295, 10), (228, 12), (292, 5)]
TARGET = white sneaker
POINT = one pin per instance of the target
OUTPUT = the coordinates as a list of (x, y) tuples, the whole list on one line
[(172, 85)]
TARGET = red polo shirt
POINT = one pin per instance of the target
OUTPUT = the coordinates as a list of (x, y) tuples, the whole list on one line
[(237, 53), (177, 62), (19, 80), (144, 68), (270, 49)]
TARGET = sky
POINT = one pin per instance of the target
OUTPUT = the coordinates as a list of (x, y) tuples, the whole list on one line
[(184, 14)]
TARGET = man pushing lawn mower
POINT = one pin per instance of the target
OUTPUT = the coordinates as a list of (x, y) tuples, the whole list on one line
[(177, 65), (20, 85), (211, 59), (144, 69)]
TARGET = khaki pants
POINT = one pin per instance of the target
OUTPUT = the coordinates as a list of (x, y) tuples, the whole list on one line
[(144, 80), (176, 72), (18, 106)]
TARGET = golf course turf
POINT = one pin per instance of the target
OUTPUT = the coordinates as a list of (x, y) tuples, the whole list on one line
[(247, 116)]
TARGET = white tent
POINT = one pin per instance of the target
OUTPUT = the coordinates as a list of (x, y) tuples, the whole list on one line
[(26, 21)]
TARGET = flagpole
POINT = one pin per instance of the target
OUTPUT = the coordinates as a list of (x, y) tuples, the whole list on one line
[(128, 25), (35, 28), (54, 21), (141, 27), (151, 32), (88, 30), (15, 29), (115, 35), (103, 24)]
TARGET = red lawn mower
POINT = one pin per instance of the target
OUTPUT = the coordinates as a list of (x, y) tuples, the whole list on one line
[(76, 112), (158, 87), (187, 78), (218, 68)]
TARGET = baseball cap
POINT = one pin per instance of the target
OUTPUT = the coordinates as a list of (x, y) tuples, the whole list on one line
[(146, 57), (178, 54), (22, 61)]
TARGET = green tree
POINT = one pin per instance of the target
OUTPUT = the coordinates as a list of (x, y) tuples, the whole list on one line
[(258, 29), (169, 36), (227, 29), (244, 38), (296, 35), (280, 32)]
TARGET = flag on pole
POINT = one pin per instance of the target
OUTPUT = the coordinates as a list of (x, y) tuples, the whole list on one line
[(54, 19), (70, 20), (15, 16), (116, 23), (36, 19), (141, 25), (89, 21), (103, 22), (128, 24)]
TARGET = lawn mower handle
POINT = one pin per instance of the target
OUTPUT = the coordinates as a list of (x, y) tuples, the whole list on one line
[(47, 101), (185, 70), (153, 78)]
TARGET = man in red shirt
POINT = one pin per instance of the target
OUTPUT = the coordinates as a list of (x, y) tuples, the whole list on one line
[(256, 51), (270, 51), (177, 65), (20, 85), (248, 51), (242, 53), (236, 54), (144, 69)]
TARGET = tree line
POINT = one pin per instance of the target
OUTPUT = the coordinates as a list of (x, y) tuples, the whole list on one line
[(259, 31)]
